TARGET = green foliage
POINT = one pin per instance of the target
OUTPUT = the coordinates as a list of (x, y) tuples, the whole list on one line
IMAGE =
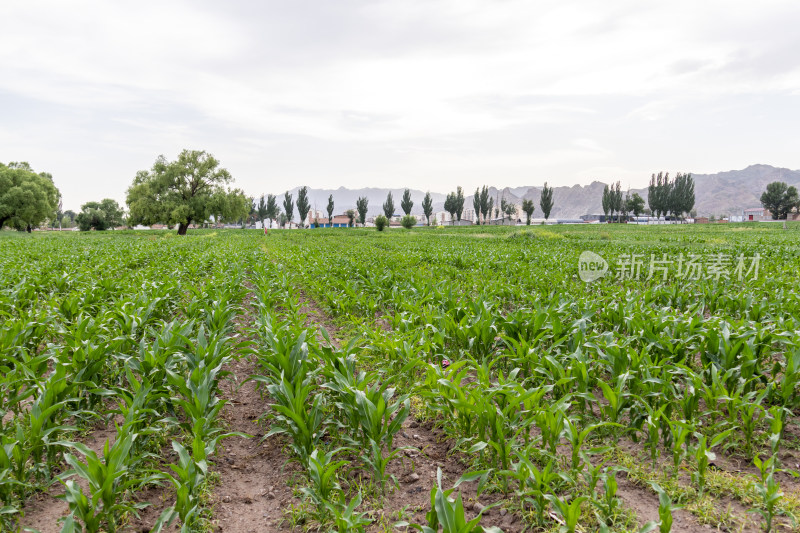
[(26, 198), (381, 222), (666, 196), (99, 215), (362, 205), (408, 221), (486, 203), (189, 189), (406, 203), (635, 204), (545, 201), (388, 206), (448, 513), (780, 199), (427, 207), (288, 207), (303, 206), (528, 208)]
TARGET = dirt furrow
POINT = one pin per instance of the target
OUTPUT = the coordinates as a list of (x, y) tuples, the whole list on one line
[(253, 490)]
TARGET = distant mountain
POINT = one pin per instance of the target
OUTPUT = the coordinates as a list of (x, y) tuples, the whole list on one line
[(722, 193), (730, 192)]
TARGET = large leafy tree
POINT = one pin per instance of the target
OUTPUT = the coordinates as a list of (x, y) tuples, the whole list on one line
[(407, 203), (635, 204), (288, 207), (528, 208), (100, 215), (388, 206), (780, 199), (427, 207), (303, 205), (362, 205), (189, 189), (330, 210), (546, 200), (26, 198), (232, 207)]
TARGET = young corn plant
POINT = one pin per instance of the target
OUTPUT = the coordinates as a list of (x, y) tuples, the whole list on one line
[(324, 490), (299, 414), (577, 437), (665, 509), (608, 505), (109, 478), (345, 518), (448, 514), (568, 510), (703, 455), (533, 483), (769, 491)]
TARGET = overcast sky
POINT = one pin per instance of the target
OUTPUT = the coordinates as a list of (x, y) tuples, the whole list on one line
[(425, 94)]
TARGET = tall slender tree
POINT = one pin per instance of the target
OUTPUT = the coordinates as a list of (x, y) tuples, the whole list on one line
[(617, 200), (607, 201), (407, 203), (362, 205), (303, 205), (427, 207), (288, 207), (330, 210), (272, 208), (388, 206), (476, 205), (459, 205), (546, 200), (261, 210), (486, 203), (450, 205)]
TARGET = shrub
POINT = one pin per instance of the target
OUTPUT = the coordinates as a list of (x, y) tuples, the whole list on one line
[(408, 221), (381, 222)]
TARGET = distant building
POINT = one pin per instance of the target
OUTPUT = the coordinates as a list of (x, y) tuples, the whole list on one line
[(755, 214), (339, 221)]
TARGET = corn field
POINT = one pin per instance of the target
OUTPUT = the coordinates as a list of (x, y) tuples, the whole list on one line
[(451, 379)]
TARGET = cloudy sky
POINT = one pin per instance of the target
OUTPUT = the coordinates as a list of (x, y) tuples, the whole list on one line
[(426, 94)]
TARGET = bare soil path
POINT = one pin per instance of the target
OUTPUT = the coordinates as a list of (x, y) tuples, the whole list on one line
[(253, 489)]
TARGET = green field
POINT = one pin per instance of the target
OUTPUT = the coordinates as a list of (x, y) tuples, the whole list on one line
[(349, 379)]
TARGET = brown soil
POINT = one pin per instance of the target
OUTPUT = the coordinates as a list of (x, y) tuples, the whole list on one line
[(44, 510), (253, 490)]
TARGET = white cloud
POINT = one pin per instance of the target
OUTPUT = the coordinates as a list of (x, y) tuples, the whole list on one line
[(394, 92)]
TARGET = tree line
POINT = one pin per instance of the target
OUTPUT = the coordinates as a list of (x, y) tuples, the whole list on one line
[(194, 188), (664, 197)]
